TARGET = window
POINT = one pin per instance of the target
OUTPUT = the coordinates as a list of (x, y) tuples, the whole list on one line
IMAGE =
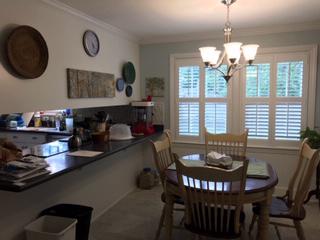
[(215, 101), (257, 100), (274, 98), (201, 100)]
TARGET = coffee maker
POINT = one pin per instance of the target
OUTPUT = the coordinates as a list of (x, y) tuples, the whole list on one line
[(142, 118)]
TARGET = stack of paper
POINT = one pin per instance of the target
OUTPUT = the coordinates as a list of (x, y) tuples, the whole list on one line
[(22, 170)]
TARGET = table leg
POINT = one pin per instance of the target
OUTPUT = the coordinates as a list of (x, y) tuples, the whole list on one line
[(263, 220), (168, 216)]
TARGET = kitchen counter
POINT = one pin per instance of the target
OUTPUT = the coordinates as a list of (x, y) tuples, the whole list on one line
[(62, 163), (51, 131)]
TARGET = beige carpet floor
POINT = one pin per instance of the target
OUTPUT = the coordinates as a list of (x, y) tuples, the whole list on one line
[(136, 217)]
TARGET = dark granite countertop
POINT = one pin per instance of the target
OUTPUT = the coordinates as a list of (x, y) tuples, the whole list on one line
[(50, 131), (62, 163)]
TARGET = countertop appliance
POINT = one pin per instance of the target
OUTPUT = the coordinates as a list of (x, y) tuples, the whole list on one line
[(142, 118)]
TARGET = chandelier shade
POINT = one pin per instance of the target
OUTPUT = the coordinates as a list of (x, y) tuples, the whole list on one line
[(250, 51), (233, 51)]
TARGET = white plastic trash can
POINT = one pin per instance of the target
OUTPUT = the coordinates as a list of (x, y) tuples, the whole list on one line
[(52, 228)]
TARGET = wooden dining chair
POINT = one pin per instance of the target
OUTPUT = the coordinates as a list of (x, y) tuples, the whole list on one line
[(290, 206), (227, 143), (216, 212), (164, 157)]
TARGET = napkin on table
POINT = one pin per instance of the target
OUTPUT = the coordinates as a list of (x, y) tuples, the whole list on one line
[(217, 159)]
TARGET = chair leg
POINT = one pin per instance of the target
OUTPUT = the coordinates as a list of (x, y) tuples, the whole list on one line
[(160, 222), (277, 231), (182, 221), (299, 230), (254, 219)]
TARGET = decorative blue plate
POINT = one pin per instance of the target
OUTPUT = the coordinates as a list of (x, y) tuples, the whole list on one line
[(120, 84), (128, 91)]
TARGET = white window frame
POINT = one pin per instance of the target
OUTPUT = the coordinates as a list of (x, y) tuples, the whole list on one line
[(191, 59), (308, 54), (236, 90)]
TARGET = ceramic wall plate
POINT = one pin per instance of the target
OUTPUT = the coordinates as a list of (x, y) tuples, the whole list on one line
[(129, 73), (128, 91), (120, 84), (27, 52)]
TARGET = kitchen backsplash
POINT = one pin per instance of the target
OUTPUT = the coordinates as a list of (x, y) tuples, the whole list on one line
[(118, 114)]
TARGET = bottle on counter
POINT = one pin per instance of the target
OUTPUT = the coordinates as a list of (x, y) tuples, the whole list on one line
[(58, 119), (37, 119)]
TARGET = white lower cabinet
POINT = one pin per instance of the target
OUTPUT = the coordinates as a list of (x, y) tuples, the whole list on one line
[(25, 140)]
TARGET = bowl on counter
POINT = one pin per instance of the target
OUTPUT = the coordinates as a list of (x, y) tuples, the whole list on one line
[(120, 132)]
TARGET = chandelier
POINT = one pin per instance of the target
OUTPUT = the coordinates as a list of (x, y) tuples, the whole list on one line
[(232, 51)]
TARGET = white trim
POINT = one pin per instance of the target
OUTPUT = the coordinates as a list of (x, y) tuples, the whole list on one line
[(250, 146), (172, 104), (312, 85), (296, 27), (78, 13)]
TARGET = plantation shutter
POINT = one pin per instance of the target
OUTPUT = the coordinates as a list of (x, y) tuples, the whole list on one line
[(216, 101), (288, 116), (257, 94), (188, 100), (288, 121)]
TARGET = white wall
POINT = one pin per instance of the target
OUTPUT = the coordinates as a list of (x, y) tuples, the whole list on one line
[(63, 32)]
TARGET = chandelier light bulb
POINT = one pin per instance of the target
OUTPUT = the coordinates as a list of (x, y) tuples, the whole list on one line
[(250, 51)]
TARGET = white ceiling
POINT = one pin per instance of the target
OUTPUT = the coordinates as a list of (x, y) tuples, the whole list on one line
[(152, 19)]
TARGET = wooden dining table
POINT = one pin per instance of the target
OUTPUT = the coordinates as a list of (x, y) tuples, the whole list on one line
[(256, 191)]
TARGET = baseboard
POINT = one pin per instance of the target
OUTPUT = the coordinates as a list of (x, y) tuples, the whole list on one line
[(98, 215)]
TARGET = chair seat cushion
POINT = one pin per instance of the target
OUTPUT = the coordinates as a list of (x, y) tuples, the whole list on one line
[(177, 199), (217, 233), (279, 209)]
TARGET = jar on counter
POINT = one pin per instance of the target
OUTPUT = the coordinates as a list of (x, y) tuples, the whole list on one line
[(37, 119)]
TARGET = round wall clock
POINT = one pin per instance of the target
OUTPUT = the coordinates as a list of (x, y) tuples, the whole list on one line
[(91, 43)]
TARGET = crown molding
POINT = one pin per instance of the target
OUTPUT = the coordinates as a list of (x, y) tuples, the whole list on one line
[(297, 27), (102, 24)]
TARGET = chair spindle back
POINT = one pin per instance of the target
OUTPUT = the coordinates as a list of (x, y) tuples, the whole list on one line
[(163, 155), (211, 195), (229, 144), (300, 181)]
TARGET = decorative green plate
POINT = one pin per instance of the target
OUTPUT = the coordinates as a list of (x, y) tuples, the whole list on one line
[(129, 73)]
